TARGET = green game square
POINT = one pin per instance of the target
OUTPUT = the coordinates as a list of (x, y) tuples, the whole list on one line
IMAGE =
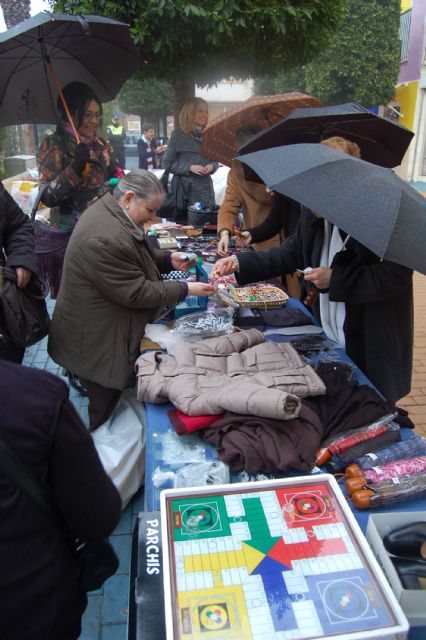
[(201, 518)]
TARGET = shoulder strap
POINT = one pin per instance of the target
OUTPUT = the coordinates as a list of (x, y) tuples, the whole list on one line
[(12, 467), (42, 188)]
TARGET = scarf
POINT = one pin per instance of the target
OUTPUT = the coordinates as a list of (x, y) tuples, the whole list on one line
[(89, 142), (332, 313)]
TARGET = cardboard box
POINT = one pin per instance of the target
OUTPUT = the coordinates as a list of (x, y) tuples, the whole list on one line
[(413, 602)]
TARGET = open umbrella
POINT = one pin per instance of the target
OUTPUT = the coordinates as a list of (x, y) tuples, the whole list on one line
[(260, 111), (381, 141), (370, 203), (49, 50)]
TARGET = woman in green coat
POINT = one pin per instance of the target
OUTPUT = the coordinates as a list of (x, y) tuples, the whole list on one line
[(111, 288)]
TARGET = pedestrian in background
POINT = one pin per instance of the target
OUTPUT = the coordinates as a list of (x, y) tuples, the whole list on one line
[(116, 137), (183, 155), (148, 147)]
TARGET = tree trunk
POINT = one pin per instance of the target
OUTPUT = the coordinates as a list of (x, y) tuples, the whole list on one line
[(15, 11), (183, 88)]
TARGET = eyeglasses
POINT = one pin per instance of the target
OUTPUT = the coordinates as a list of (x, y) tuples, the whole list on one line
[(90, 115)]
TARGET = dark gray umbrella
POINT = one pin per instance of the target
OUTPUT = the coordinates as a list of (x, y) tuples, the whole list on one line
[(370, 203), (91, 49), (381, 141)]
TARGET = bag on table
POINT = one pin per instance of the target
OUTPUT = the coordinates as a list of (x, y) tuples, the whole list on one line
[(97, 560), (24, 316)]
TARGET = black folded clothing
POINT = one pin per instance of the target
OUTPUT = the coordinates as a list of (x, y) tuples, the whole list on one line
[(285, 317)]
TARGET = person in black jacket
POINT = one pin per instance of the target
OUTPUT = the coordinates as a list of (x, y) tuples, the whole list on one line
[(40, 598), (148, 147), (365, 304), (16, 251)]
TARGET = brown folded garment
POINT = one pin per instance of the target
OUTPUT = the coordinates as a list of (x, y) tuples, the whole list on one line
[(261, 445)]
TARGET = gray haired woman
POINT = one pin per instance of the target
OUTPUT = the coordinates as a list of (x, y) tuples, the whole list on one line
[(111, 288)]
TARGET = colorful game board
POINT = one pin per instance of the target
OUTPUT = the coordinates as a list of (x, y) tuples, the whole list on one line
[(276, 562)]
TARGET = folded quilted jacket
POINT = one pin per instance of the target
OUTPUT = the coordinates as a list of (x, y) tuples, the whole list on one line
[(239, 372)]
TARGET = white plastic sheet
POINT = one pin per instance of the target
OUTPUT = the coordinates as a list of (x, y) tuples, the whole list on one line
[(120, 443)]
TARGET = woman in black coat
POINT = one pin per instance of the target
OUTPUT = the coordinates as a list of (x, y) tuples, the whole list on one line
[(40, 598), (16, 251)]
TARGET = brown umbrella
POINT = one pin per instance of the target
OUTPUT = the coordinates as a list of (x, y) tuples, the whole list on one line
[(261, 111)]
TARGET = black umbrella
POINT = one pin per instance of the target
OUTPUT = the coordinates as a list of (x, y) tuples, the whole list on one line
[(368, 202), (49, 50), (382, 141)]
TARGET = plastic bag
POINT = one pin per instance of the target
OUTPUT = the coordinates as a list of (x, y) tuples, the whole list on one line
[(200, 474), (162, 335), (120, 443), (25, 193), (206, 324)]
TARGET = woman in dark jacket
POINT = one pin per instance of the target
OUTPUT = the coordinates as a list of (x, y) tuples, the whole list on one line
[(72, 173), (111, 288), (365, 304), (17, 251), (183, 156), (40, 598)]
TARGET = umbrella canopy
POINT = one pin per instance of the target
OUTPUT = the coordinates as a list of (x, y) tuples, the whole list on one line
[(381, 141), (91, 49), (258, 111), (370, 203)]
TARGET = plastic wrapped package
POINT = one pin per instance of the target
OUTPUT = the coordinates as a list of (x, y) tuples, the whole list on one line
[(207, 324), (195, 474), (182, 449)]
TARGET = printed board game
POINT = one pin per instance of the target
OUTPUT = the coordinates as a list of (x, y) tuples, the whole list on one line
[(272, 560)]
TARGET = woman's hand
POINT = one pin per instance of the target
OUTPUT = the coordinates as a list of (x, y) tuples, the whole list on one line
[(180, 261), (320, 277), (198, 169), (224, 267), (208, 169), (201, 289), (23, 276), (243, 239), (223, 244)]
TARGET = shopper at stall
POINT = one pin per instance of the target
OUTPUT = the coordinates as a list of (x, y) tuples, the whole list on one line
[(16, 251), (183, 157), (364, 304), (75, 172), (40, 597), (72, 174), (111, 288), (246, 196)]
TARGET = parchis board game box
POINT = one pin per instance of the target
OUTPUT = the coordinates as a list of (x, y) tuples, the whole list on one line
[(272, 560)]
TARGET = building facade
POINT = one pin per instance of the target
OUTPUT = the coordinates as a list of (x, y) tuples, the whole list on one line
[(410, 98)]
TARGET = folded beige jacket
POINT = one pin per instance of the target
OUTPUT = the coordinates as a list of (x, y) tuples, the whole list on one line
[(239, 372)]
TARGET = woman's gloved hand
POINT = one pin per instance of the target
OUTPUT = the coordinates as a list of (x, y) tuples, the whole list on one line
[(81, 158)]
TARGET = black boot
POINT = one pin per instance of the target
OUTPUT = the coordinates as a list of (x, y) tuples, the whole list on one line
[(409, 572), (408, 541)]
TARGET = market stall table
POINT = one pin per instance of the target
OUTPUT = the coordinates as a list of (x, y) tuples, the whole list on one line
[(166, 453)]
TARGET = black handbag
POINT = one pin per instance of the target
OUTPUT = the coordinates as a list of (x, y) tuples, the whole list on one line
[(24, 317), (175, 205), (97, 560)]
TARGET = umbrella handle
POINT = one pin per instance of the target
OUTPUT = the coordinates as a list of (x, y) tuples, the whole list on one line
[(64, 103)]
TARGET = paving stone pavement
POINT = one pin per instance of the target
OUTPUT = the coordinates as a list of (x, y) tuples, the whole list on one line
[(415, 402)]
